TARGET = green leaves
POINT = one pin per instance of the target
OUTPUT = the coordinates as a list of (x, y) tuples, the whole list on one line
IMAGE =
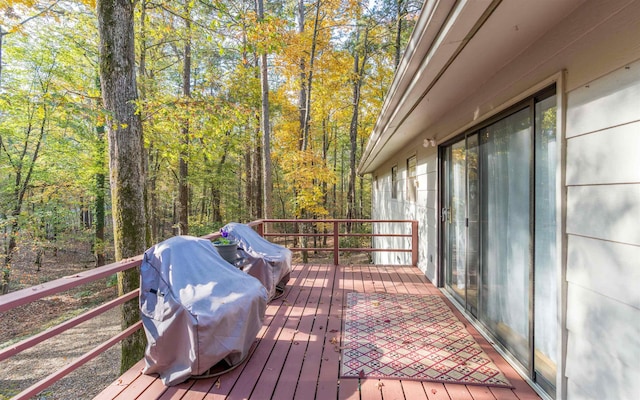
[(49, 69)]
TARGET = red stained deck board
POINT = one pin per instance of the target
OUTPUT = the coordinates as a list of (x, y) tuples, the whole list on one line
[(414, 390), (504, 394), (121, 383), (152, 391), (296, 358), (310, 314), (311, 367), (435, 391), (138, 386), (292, 304), (288, 380), (481, 393), (347, 388), (458, 392), (194, 389), (370, 389), (256, 364), (391, 389), (330, 365)]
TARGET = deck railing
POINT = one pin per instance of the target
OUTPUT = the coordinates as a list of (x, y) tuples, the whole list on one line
[(266, 228)]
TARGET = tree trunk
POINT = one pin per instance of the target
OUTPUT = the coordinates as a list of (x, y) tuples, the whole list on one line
[(183, 193), (302, 97), (216, 194), (23, 167), (398, 39), (306, 125), (99, 204), (267, 182), (358, 70), (250, 200), (99, 179), (353, 135), (2, 33), (257, 176), (149, 188), (124, 130)]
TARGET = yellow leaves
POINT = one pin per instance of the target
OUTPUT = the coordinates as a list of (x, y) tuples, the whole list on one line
[(266, 35), (306, 173), (16, 29), (28, 3)]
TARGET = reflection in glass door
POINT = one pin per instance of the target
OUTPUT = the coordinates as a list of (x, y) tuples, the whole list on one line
[(460, 219), (473, 225), (454, 216), (546, 280), (498, 221)]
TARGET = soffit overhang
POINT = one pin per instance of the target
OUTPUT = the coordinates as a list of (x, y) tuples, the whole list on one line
[(455, 47)]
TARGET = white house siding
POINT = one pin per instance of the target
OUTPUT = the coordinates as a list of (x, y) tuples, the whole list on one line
[(603, 232), (422, 210)]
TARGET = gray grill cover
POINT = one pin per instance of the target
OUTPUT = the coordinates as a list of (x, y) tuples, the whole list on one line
[(270, 263), (197, 309)]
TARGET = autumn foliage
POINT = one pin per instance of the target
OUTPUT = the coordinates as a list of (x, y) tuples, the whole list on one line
[(319, 53)]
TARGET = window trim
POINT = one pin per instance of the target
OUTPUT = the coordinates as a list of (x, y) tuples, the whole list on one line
[(394, 181), (412, 190)]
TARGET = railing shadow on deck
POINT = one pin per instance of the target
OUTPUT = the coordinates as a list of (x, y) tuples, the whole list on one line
[(290, 230)]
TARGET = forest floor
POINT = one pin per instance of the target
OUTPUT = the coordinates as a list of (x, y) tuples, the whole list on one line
[(28, 367)]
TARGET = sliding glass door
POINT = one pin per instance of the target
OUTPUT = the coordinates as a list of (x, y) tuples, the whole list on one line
[(505, 159), (498, 222), (454, 216), (460, 221)]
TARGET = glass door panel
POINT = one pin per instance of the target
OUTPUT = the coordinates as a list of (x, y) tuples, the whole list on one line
[(473, 225), (546, 279), (454, 216), (505, 231)]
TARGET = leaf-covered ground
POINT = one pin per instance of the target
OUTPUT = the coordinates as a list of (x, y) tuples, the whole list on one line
[(70, 258), (26, 368)]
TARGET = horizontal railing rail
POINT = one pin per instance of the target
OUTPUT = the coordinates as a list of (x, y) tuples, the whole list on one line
[(336, 234), (264, 227)]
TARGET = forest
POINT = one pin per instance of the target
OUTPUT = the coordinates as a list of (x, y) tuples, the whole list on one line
[(248, 110)]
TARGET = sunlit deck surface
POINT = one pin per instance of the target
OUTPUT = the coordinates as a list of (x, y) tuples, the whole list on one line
[(294, 357)]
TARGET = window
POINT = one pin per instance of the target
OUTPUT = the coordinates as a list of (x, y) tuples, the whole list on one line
[(394, 182), (411, 178)]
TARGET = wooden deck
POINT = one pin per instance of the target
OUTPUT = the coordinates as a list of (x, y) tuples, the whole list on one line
[(296, 357)]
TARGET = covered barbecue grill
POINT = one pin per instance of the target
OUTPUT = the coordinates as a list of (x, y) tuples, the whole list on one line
[(270, 263), (197, 309)]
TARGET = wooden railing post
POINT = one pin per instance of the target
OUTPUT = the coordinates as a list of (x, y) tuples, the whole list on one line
[(336, 243), (414, 243), (260, 228)]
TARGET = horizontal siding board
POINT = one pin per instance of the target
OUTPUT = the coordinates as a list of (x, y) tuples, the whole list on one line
[(610, 269), (609, 212), (606, 102), (603, 346), (606, 157)]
